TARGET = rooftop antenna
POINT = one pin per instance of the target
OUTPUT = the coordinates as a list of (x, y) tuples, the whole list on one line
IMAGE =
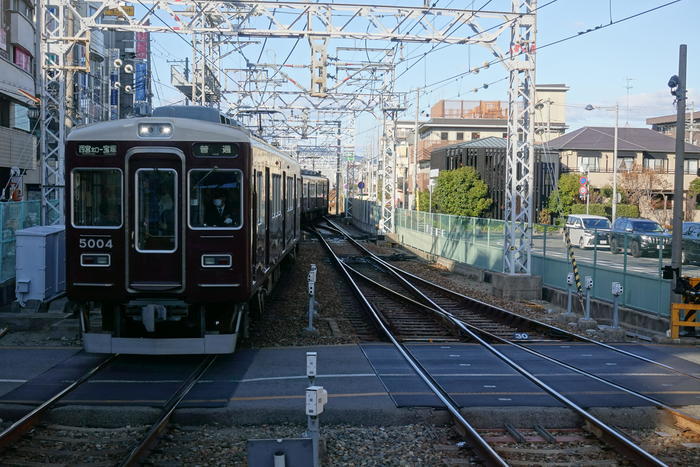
[(628, 86)]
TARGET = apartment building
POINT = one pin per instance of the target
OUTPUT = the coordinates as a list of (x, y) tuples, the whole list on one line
[(457, 121), (18, 115), (667, 125)]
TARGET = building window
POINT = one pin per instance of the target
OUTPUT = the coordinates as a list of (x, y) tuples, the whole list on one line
[(625, 164), (654, 164), (22, 59), (19, 117), (588, 164), (443, 136), (22, 7), (691, 166), (460, 136), (476, 135)]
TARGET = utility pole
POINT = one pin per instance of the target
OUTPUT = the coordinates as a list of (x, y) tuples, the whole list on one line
[(679, 83), (691, 126), (337, 174), (628, 86), (186, 72), (415, 152)]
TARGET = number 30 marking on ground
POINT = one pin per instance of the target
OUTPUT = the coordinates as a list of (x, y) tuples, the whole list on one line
[(521, 336)]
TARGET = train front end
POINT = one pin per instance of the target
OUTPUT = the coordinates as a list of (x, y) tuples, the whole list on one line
[(157, 245)]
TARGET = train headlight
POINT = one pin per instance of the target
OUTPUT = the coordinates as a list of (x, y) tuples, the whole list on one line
[(216, 261), (155, 130), (95, 260)]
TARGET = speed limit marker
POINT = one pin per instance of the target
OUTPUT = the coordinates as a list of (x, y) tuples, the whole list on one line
[(583, 190)]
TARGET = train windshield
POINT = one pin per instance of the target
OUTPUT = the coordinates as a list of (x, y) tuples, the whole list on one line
[(215, 199), (97, 198), (157, 210)]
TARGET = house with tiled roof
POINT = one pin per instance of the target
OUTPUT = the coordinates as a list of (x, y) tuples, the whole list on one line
[(589, 150)]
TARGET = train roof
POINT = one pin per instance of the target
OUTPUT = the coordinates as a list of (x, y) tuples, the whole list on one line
[(312, 174), (184, 129)]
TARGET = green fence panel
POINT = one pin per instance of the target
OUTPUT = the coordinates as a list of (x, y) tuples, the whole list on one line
[(479, 242)]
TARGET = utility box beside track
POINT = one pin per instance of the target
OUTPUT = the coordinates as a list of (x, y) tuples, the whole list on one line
[(41, 263)]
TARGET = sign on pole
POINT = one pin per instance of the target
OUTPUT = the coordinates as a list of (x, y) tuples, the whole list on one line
[(583, 190), (583, 180)]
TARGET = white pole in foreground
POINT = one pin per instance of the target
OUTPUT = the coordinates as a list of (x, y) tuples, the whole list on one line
[(614, 196)]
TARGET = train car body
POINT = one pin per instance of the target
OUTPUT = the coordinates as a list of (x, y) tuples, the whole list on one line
[(314, 202), (175, 225)]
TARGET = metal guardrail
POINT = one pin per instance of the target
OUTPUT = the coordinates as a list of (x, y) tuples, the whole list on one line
[(478, 242)]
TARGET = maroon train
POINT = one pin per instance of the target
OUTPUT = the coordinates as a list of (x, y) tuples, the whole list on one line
[(177, 227)]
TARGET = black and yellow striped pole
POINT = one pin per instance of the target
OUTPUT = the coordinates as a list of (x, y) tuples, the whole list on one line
[(572, 260)]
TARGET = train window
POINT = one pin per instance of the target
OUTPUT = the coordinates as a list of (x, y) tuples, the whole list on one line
[(97, 198), (156, 210), (290, 194), (261, 199), (215, 199), (276, 195)]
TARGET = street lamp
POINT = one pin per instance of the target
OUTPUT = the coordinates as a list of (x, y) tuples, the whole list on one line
[(617, 124)]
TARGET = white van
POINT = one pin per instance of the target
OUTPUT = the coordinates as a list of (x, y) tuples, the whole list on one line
[(587, 230)]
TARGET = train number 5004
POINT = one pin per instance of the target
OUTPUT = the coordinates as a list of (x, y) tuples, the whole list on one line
[(95, 243)]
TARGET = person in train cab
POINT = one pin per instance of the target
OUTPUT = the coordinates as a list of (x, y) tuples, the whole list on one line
[(167, 214), (218, 214)]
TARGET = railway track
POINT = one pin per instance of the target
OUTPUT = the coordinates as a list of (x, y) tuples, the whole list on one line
[(421, 303), (32, 442)]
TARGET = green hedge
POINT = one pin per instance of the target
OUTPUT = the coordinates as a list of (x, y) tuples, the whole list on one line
[(626, 210), (597, 209)]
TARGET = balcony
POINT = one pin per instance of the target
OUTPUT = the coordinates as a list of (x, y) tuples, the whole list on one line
[(97, 43), (470, 109), (21, 32), (17, 148)]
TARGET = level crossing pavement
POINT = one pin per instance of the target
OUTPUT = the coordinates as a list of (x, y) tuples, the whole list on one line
[(360, 379)]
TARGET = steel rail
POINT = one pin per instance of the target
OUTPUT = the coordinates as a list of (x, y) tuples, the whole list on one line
[(553, 329), (607, 433), (26, 423), (477, 443), (682, 419), (140, 451)]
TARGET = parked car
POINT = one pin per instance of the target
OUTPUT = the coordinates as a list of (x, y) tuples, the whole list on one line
[(643, 236), (687, 226), (587, 230), (691, 243)]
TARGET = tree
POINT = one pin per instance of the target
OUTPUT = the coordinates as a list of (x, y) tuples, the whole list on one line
[(566, 194), (424, 201), (647, 189), (461, 192), (694, 188)]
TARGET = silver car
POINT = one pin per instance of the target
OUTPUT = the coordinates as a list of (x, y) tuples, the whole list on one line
[(587, 230)]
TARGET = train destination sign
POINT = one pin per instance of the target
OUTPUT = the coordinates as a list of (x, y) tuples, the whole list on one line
[(215, 149), (99, 149)]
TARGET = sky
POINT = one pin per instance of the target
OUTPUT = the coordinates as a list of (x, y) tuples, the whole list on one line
[(641, 52)]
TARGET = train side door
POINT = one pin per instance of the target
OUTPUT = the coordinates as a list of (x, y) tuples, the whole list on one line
[(268, 216), (284, 201), (155, 211)]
